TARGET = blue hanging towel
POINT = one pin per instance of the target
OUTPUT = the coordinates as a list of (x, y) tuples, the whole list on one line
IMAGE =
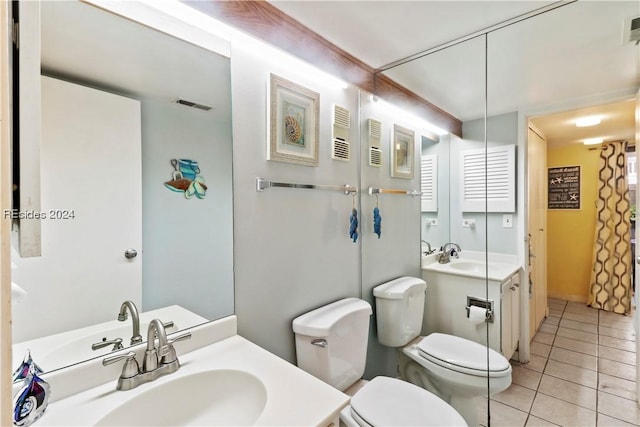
[(353, 227), (377, 222)]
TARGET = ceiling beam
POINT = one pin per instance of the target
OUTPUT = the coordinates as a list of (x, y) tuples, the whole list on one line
[(263, 20)]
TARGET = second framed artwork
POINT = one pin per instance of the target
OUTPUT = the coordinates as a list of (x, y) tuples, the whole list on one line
[(293, 123), (402, 152)]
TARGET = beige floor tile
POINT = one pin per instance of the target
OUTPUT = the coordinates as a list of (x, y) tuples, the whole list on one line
[(575, 374), (538, 422), (540, 349), (581, 318), (525, 377), (574, 358), (581, 309), (536, 363), (617, 355), (617, 321), (580, 326), (575, 345), (618, 386), (617, 369), (548, 329), (504, 415), (544, 338), (607, 421), (517, 397), (561, 412), (617, 333), (617, 343), (578, 335), (568, 391), (551, 321), (557, 301), (619, 407), (555, 312)]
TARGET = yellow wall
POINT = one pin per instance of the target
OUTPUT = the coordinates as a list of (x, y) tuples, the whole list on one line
[(571, 232)]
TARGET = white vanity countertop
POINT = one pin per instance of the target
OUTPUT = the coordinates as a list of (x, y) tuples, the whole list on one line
[(294, 397), (472, 264)]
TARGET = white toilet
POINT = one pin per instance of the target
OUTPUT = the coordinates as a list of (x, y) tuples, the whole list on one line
[(331, 344), (453, 368)]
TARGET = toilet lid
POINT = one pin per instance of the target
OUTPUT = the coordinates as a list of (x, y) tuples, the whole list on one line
[(463, 355), (386, 401)]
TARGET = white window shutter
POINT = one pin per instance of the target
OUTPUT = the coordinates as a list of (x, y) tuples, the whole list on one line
[(499, 184), (429, 183)]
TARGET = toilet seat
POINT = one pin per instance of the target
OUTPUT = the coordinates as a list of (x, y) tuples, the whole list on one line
[(463, 355), (386, 401)]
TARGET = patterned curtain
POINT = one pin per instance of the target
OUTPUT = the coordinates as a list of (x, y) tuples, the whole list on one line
[(611, 283)]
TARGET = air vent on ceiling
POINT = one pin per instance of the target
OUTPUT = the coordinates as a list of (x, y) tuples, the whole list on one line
[(340, 146), (192, 104), (375, 134)]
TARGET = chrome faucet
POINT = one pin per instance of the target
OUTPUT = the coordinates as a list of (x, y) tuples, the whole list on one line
[(117, 344), (135, 319), (449, 250), (158, 360), (429, 250)]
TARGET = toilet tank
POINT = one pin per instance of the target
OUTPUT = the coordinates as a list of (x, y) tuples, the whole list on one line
[(331, 341), (399, 310)]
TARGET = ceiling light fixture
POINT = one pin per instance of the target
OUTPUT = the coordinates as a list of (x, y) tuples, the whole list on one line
[(592, 141), (588, 121)]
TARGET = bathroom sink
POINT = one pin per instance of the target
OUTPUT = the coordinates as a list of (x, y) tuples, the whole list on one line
[(223, 379), (216, 397), (470, 266)]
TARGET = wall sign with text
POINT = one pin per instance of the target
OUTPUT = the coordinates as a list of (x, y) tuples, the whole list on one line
[(564, 187)]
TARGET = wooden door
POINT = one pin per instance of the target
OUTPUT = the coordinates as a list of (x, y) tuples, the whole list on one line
[(537, 238)]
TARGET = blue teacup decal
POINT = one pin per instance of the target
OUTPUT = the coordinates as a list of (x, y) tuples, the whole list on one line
[(188, 168)]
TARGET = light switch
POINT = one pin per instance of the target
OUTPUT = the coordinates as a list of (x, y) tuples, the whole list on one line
[(507, 221)]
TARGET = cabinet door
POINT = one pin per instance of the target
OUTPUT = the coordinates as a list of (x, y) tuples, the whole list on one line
[(515, 311), (506, 323)]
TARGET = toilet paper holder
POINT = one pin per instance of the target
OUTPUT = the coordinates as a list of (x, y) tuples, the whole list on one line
[(487, 304)]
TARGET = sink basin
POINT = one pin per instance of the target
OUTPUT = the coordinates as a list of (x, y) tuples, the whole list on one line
[(470, 266), (216, 397)]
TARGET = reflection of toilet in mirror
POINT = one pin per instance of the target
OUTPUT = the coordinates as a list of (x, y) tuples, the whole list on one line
[(331, 344), (453, 368)]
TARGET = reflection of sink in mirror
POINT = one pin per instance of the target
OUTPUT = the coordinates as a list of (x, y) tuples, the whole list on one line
[(471, 266), (217, 397), (55, 351)]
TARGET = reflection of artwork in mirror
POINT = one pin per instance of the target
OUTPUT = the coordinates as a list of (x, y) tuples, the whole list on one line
[(294, 123), (402, 153)]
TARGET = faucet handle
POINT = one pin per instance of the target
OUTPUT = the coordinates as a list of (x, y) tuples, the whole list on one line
[(130, 368), (181, 337), (117, 344), (171, 355)]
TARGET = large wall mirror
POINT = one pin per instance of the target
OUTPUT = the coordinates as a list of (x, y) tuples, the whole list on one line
[(135, 155)]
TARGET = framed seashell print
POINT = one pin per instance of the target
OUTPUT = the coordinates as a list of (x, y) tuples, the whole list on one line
[(293, 126), (402, 152)]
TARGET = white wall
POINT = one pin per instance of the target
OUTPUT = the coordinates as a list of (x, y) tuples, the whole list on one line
[(397, 252), (438, 235), (292, 249), (187, 244), (501, 130)]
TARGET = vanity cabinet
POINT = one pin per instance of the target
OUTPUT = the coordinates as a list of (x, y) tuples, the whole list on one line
[(510, 319), (446, 302)]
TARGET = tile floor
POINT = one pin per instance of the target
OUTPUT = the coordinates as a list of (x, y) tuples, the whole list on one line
[(581, 373)]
